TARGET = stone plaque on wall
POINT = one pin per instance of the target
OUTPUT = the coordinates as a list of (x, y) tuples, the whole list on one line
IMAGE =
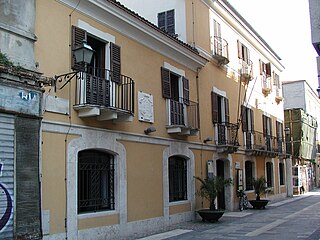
[(145, 107)]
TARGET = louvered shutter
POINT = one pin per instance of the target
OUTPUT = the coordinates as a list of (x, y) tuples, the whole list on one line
[(214, 103), (162, 21), (115, 62), (166, 83), (170, 22), (244, 119), (239, 49), (268, 69), (251, 120), (264, 123), (270, 126), (78, 35), (226, 106), (185, 83), (261, 67)]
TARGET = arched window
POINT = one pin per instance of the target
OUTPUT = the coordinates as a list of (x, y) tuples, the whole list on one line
[(177, 179), (249, 175), (269, 167), (95, 181)]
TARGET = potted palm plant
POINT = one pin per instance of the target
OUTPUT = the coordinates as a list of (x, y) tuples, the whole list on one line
[(209, 189), (260, 187)]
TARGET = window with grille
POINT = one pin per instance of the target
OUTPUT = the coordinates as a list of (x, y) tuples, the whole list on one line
[(269, 167), (249, 175), (177, 179), (95, 181), (166, 21), (281, 173)]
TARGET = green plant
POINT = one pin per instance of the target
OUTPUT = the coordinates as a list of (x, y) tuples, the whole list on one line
[(259, 186), (210, 187), (5, 60)]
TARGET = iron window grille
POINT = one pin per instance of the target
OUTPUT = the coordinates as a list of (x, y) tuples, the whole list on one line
[(95, 181), (177, 179)]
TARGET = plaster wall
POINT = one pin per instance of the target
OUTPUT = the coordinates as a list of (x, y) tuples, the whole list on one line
[(17, 26)]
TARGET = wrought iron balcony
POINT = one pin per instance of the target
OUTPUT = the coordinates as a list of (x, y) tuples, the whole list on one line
[(226, 137), (104, 94), (183, 116), (220, 50), (246, 72), (258, 143)]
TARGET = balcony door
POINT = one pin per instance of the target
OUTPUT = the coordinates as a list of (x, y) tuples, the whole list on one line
[(220, 117)]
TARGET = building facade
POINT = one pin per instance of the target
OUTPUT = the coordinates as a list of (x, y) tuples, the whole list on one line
[(302, 107), (123, 136), (20, 123)]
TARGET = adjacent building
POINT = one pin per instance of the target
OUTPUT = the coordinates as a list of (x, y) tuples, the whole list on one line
[(186, 88), (302, 107)]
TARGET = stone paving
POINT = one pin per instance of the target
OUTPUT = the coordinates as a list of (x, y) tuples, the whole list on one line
[(290, 219)]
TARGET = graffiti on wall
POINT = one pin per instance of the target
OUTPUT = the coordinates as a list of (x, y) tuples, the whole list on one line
[(5, 197)]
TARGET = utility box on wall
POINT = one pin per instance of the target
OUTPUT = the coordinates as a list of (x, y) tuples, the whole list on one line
[(210, 168)]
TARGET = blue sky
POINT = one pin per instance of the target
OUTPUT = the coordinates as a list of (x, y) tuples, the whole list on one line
[(285, 26)]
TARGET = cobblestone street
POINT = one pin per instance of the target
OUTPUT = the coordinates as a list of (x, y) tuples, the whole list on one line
[(292, 218)]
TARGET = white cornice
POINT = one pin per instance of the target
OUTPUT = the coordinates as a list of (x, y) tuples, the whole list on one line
[(111, 16)]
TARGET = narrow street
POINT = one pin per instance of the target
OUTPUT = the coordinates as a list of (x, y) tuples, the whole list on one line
[(294, 218)]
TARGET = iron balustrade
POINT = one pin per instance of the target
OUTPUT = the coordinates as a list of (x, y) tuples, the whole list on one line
[(102, 88), (220, 47), (226, 133), (255, 140), (246, 68), (184, 113)]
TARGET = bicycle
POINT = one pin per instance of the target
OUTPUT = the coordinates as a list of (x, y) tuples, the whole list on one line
[(243, 200)]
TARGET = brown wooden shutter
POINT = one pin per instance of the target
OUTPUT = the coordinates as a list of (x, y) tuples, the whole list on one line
[(239, 49), (166, 83), (185, 83), (264, 124), (226, 105), (214, 103), (268, 69), (78, 35), (115, 62), (244, 119), (261, 66), (251, 120)]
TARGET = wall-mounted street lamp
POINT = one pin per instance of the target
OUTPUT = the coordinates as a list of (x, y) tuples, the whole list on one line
[(83, 54)]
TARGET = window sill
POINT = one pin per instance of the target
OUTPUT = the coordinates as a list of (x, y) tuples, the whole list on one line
[(178, 202), (97, 214)]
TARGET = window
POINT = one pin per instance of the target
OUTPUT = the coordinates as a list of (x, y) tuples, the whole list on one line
[(95, 181), (243, 53), (269, 167), (247, 125), (280, 139), (177, 179), (265, 72), (281, 173), (249, 175), (166, 21), (267, 131), (176, 89), (220, 108)]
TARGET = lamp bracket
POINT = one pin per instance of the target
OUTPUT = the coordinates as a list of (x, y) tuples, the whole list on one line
[(64, 79)]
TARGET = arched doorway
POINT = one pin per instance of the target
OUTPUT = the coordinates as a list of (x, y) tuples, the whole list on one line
[(221, 196)]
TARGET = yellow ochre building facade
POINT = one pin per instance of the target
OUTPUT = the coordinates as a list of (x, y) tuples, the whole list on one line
[(123, 137)]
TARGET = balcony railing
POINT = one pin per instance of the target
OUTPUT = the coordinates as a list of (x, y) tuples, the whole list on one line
[(264, 144), (220, 50), (226, 133), (246, 70), (104, 89), (184, 113)]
